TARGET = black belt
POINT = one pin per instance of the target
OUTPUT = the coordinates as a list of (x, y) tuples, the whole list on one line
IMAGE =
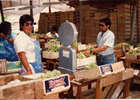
[(106, 55)]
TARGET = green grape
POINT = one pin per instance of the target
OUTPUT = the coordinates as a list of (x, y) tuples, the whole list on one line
[(81, 55), (90, 66), (53, 48), (53, 40), (133, 51), (89, 47), (76, 43)]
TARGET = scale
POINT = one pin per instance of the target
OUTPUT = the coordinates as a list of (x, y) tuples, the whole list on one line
[(67, 55)]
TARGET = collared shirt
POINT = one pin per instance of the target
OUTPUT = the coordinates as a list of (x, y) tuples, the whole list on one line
[(108, 39), (23, 43)]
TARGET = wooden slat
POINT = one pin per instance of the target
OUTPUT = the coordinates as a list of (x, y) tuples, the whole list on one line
[(39, 92), (114, 78), (24, 91), (105, 92)]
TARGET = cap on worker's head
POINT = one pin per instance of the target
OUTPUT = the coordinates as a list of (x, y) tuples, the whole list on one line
[(53, 28)]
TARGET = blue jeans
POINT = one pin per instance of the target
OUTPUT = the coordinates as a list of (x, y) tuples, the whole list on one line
[(106, 60)]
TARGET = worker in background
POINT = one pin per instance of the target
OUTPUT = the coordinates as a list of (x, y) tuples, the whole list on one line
[(105, 43), (28, 49), (53, 34), (7, 37)]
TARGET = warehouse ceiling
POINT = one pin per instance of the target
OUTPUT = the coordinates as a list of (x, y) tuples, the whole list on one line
[(19, 7)]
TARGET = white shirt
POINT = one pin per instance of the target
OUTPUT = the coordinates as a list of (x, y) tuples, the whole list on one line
[(108, 39), (49, 34), (23, 43)]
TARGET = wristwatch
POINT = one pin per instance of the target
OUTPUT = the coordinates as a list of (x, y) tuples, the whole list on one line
[(90, 51)]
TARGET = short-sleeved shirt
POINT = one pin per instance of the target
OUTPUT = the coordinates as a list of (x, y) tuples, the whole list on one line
[(23, 43), (49, 34), (7, 48), (107, 39)]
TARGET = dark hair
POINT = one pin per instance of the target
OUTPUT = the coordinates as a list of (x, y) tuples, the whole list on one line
[(106, 21), (5, 27), (23, 19), (53, 28)]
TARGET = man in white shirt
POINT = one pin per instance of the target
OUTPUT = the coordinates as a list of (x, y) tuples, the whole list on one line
[(105, 43)]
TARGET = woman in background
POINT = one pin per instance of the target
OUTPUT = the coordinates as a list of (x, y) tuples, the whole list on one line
[(52, 34), (7, 37)]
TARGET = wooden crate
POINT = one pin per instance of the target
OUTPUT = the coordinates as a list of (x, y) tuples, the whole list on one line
[(53, 85), (117, 49), (26, 89), (14, 66), (50, 55), (125, 48), (131, 56), (80, 47), (35, 38), (99, 71), (85, 61), (3, 66), (47, 45)]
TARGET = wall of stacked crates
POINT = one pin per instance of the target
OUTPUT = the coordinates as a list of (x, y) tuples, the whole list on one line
[(120, 19)]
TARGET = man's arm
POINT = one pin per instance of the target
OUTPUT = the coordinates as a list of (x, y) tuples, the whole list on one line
[(24, 62), (102, 48)]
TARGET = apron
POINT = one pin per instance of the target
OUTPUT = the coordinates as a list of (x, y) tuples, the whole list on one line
[(54, 36), (37, 65)]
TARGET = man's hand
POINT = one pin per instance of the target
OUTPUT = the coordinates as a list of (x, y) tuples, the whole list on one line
[(87, 53)]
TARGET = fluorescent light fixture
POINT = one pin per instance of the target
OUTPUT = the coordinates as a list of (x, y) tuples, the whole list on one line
[(26, 7), (55, 3)]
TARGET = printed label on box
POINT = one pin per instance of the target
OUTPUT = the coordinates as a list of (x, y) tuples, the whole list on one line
[(14, 66), (57, 83), (106, 69)]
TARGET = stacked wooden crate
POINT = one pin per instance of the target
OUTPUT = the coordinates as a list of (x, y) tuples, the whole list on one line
[(124, 22), (98, 16), (139, 19), (113, 28), (63, 17), (43, 23), (52, 20), (135, 30), (71, 16), (76, 19), (58, 20), (88, 23)]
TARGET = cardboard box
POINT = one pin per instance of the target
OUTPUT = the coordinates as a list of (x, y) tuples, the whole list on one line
[(14, 66), (50, 55), (85, 61)]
